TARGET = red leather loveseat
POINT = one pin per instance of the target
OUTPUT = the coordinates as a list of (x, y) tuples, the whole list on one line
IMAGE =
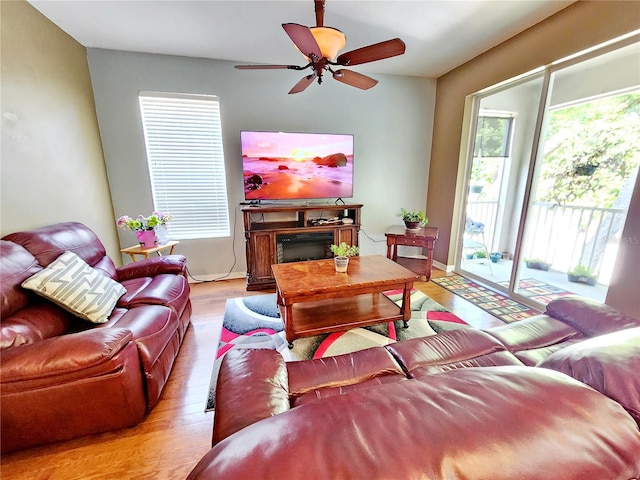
[(464, 404), (63, 377)]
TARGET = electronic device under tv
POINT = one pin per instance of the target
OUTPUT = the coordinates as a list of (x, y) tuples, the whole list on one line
[(296, 166)]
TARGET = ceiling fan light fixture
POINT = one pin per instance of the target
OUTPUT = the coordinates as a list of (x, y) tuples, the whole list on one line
[(330, 40)]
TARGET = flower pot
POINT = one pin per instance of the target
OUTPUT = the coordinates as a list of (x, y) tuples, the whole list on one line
[(538, 265), (581, 279), (341, 264), (411, 225), (495, 256), (147, 238)]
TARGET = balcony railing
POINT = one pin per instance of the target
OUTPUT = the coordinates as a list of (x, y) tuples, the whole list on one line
[(564, 236)]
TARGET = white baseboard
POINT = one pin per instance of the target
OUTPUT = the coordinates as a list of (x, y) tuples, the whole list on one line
[(217, 276), (442, 266)]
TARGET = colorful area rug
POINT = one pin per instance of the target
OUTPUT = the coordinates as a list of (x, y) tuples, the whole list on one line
[(492, 302), (254, 322), (538, 291)]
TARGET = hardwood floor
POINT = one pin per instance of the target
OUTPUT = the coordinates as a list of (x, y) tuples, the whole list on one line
[(177, 433)]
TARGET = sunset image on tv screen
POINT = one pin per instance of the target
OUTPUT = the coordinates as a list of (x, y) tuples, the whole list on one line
[(280, 166)]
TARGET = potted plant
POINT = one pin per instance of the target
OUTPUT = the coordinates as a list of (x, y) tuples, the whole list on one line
[(495, 256), (537, 264), (146, 228), (582, 274), (413, 219), (342, 253)]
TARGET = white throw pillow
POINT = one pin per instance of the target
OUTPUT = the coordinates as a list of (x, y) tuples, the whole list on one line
[(75, 286)]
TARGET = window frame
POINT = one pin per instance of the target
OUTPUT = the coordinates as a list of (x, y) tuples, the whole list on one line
[(185, 162)]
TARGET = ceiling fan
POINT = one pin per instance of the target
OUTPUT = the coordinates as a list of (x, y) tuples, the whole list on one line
[(321, 44)]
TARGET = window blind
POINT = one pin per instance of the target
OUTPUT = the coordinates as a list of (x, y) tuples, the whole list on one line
[(183, 140)]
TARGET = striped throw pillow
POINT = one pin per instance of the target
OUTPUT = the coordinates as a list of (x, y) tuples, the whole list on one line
[(75, 286)]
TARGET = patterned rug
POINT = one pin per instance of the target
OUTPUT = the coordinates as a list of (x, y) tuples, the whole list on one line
[(492, 302), (539, 291), (254, 322)]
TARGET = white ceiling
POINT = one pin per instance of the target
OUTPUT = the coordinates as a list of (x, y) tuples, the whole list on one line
[(439, 34)]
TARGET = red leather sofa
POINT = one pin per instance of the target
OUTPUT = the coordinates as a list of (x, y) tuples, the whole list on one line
[(63, 377), (556, 396)]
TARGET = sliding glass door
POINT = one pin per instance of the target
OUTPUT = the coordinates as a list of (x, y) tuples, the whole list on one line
[(504, 125), (586, 168), (553, 162)]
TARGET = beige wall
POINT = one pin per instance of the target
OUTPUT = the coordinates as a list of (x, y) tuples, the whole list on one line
[(576, 28), (52, 164)]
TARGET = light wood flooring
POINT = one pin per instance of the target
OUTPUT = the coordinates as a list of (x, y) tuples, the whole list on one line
[(177, 432)]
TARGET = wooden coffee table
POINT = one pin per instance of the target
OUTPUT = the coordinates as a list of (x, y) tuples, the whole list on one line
[(314, 299)]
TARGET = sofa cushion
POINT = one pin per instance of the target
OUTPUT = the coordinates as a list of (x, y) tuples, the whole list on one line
[(153, 327), (590, 317), (534, 356), (609, 363), (533, 339), (450, 350), (38, 321), (16, 265), (49, 242), (162, 289), (75, 286), (340, 374)]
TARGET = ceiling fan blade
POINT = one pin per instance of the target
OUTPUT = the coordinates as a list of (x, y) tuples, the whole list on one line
[(377, 51), (354, 79), (302, 37), (265, 67), (304, 83)]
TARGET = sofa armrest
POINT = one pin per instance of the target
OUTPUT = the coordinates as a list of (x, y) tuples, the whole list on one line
[(150, 267), (252, 385), (61, 358), (588, 316)]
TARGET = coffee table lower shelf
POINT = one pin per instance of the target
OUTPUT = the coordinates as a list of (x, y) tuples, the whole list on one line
[(318, 317)]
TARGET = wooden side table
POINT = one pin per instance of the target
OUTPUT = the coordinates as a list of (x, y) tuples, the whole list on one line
[(424, 237), (146, 251)]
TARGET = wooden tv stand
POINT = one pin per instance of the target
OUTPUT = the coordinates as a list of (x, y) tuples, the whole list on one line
[(278, 234)]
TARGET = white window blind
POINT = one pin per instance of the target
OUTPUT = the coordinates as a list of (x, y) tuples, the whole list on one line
[(183, 139)]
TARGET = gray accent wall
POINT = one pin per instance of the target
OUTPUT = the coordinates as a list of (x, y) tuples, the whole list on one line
[(391, 123)]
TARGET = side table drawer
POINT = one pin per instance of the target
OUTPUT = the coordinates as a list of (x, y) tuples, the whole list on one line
[(417, 242)]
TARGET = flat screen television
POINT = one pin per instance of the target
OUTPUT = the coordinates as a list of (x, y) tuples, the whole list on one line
[(296, 166)]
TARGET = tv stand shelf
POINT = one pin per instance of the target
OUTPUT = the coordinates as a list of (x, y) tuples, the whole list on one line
[(264, 225)]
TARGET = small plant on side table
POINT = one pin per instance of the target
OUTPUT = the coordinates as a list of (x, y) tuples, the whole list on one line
[(146, 228), (342, 253), (413, 219)]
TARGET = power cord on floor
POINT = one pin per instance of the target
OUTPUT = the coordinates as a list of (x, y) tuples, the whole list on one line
[(233, 250)]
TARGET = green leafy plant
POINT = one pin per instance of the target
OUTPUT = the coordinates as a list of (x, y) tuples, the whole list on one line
[(141, 222), (582, 271), (344, 250), (413, 216), (537, 264)]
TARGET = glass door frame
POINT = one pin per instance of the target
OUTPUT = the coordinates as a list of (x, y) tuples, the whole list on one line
[(470, 119)]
